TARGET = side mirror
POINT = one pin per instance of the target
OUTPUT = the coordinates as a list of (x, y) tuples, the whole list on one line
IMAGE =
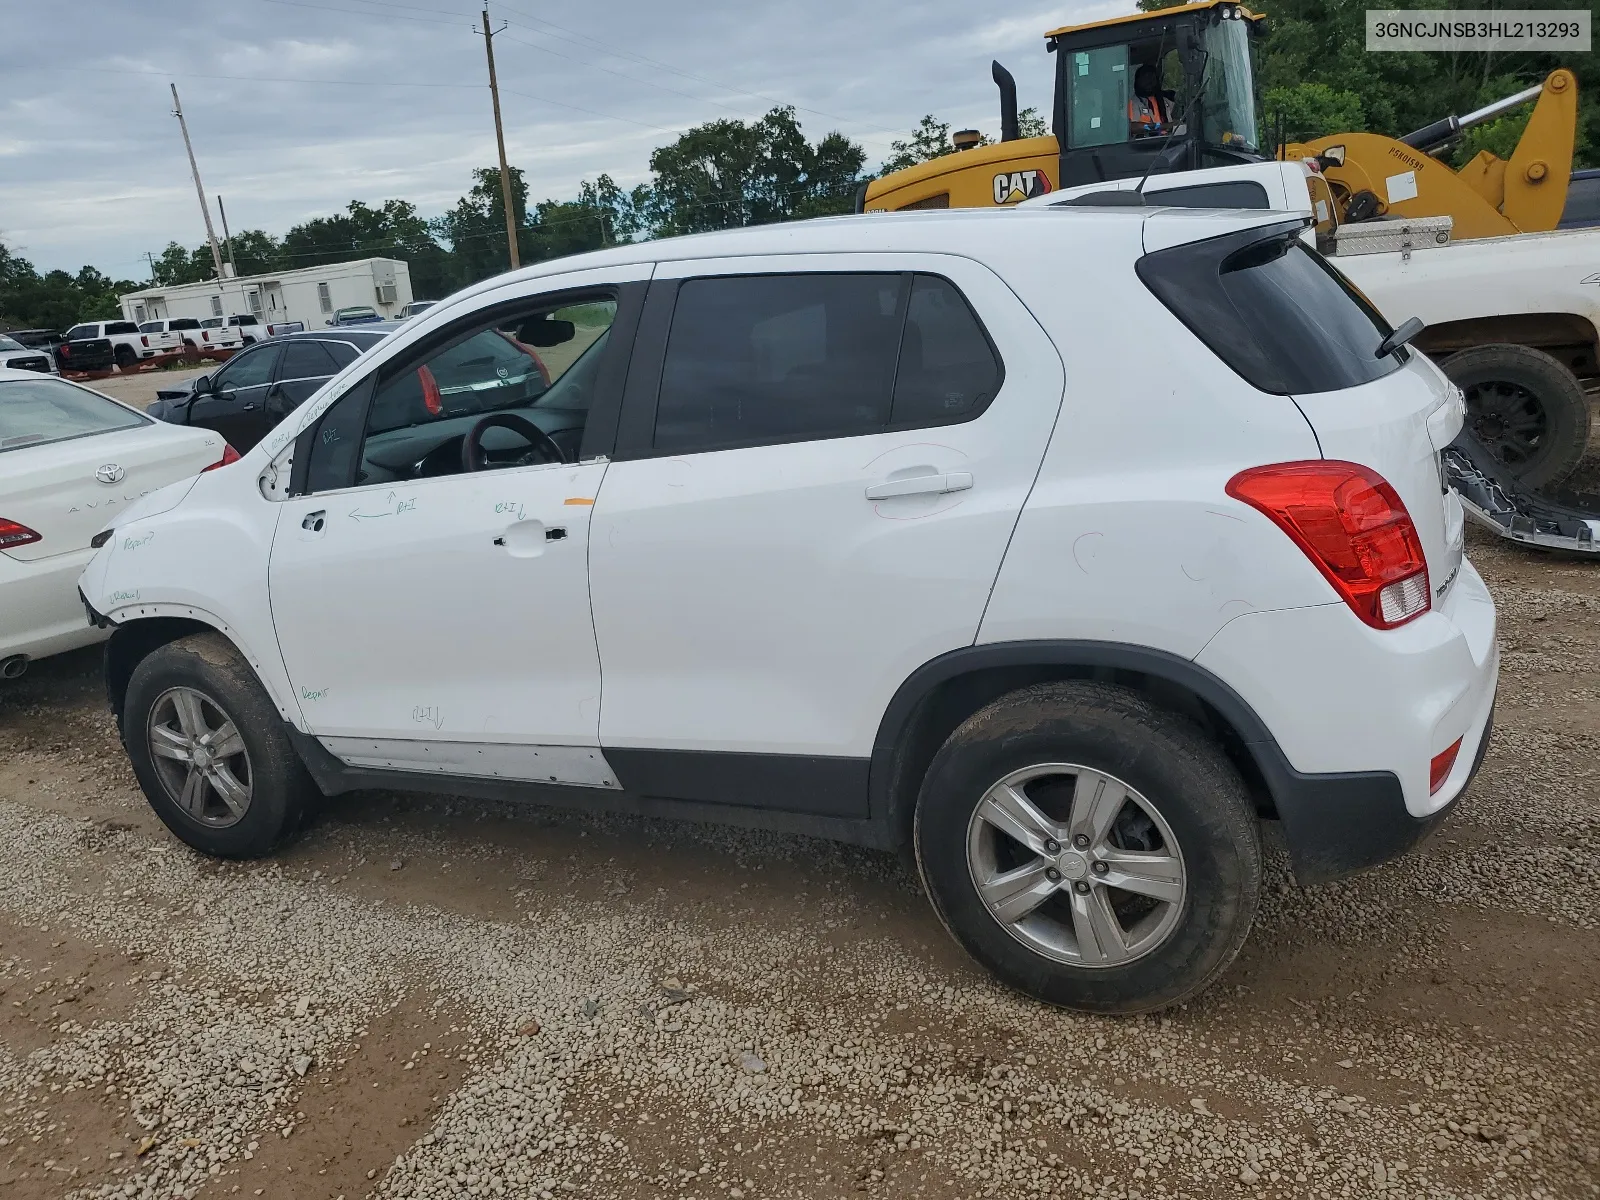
[(202, 385), (1333, 156)]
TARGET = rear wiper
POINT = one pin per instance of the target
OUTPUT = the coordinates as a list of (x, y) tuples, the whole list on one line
[(1407, 331)]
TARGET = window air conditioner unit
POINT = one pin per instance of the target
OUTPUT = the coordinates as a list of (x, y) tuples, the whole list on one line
[(386, 293)]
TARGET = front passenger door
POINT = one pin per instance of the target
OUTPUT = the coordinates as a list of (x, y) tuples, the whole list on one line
[(436, 617), (235, 403)]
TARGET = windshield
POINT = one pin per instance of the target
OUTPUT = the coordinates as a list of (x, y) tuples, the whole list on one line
[(1230, 103), (34, 412)]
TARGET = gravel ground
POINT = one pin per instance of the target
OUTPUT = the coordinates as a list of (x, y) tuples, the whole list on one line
[(428, 997)]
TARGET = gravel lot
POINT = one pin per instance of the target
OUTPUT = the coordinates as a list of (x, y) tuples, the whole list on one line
[(429, 997)]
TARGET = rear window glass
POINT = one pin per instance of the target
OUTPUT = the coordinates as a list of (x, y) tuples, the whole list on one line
[(1583, 201), (184, 323), (244, 320), (1273, 310), (78, 332), (121, 327), (150, 327), (35, 412), (212, 323)]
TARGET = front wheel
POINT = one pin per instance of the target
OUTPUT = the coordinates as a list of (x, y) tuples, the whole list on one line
[(209, 749), (1090, 849)]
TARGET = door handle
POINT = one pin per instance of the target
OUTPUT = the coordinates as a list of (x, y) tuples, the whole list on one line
[(921, 485), (314, 521), (249, 407)]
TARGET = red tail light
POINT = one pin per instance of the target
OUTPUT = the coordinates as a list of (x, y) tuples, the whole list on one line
[(229, 455), (66, 350), (205, 336), (1439, 768), (1353, 526), (14, 534), (145, 340)]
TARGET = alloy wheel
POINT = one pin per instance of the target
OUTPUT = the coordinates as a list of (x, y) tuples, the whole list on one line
[(1076, 864), (202, 760)]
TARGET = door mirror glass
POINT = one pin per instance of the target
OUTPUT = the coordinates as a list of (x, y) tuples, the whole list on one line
[(202, 385)]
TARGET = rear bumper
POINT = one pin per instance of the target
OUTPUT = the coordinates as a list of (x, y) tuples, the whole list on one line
[(1355, 715), (1341, 824), (40, 613)]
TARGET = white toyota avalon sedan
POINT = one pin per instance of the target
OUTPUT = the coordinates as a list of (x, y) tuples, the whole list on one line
[(70, 460)]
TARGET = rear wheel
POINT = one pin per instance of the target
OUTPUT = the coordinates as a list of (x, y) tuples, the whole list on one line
[(1525, 408), (210, 751), (126, 357), (1090, 849)]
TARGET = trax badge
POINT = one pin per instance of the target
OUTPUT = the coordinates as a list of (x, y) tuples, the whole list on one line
[(1012, 187)]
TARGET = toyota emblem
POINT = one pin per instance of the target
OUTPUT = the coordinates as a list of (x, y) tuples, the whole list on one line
[(109, 473)]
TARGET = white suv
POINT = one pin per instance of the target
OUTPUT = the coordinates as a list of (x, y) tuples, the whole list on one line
[(1059, 546)]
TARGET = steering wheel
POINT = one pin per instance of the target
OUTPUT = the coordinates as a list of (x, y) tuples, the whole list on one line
[(474, 458)]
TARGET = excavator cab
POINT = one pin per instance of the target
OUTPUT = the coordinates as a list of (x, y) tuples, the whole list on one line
[(1171, 90)]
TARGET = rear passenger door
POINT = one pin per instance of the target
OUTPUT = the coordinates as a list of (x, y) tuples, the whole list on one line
[(820, 460)]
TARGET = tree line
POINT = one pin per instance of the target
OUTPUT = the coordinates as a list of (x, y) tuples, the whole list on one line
[(1316, 78)]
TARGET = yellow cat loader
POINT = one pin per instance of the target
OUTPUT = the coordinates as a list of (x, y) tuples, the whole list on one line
[(1174, 90), (1157, 97)]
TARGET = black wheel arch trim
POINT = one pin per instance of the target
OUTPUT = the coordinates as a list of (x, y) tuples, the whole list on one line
[(1336, 824)]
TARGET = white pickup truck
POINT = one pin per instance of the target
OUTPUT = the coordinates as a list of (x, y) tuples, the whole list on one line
[(1514, 321), (128, 343)]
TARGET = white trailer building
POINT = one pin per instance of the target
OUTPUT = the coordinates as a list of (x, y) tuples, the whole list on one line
[(310, 295)]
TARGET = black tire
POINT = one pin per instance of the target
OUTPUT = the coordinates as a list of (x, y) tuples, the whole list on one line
[(1525, 408), (1176, 770), (279, 787), (126, 357)]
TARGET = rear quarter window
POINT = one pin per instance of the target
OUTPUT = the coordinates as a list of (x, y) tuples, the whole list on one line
[(1273, 310)]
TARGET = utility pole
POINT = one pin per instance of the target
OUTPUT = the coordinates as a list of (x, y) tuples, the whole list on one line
[(211, 234), (227, 238), (500, 140), (151, 259)]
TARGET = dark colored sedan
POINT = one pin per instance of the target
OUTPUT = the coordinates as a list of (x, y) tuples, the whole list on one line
[(262, 384)]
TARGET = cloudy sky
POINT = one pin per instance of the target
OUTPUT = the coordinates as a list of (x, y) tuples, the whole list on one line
[(298, 106)]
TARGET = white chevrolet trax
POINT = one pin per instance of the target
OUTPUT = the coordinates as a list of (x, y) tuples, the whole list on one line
[(1061, 547)]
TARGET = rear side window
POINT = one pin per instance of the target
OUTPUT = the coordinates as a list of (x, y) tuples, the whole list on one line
[(34, 412), (947, 370), (1232, 193), (305, 360), (767, 359), (1272, 309), (121, 327), (343, 353)]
